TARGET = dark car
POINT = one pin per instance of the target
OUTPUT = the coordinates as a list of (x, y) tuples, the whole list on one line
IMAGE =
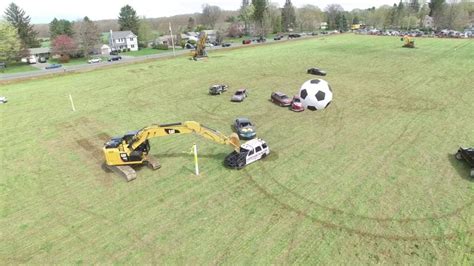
[(239, 95), (261, 39), (217, 89), (114, 53), (294, 35), (244, 128), (114, 58), (467, 154), (189, 46), (226, 44), (246, 41), (316, 71), (52, 66), (278, 37), (280, 98)]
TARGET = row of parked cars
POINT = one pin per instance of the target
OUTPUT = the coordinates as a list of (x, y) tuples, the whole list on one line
[(418, 33)]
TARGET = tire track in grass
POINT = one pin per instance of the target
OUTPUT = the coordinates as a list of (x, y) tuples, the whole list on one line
[(334, 226)]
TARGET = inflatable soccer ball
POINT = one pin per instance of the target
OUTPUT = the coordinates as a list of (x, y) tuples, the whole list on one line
[(315, 94)]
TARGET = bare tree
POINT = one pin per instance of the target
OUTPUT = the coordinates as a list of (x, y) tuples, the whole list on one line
[(210, 15), (87, 35), (309, 18), (332, 11)]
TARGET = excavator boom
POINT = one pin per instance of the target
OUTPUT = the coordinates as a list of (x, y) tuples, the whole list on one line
[(133, 148)]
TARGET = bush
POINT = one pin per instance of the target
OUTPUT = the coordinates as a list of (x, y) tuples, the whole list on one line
[(160, 46), (64, 58)]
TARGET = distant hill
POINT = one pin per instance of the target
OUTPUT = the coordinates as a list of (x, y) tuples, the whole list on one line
[(178, 22)]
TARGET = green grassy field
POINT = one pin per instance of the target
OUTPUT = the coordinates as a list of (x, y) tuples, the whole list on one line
[(150, 51), (372, 179), (17, 67)]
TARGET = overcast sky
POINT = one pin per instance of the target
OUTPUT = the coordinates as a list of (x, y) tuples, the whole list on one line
[(43, 11)]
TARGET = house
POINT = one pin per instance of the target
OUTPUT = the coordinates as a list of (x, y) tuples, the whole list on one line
[(123, 40), (323, 25), (105, 49), (40, 52), (428, 22)]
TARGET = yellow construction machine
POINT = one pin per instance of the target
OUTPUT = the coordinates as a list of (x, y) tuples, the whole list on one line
[(133, 148), (200, 51), (408, 42)]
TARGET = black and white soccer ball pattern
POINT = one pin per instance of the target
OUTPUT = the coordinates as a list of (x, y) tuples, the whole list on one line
[(316, 94)]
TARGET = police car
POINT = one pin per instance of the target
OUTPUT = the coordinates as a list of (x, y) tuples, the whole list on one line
[(250, 152)]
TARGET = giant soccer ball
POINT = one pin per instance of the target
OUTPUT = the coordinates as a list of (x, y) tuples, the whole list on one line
[(316, 94)]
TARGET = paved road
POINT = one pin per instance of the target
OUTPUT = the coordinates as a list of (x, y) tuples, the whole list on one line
[(125, 60)]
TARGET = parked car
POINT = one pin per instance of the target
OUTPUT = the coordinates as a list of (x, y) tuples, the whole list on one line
[(246, 41), (261, 39), (294, 35), (189, 46), (42, 60), (244, 128), (209, 45), (3, 99), (52, 66), (251, 151), (226, 44), (239, 95), (280, 98), (94, 60), (296, 104), (114, 58), (466, 154), (278, 37), (218, 89), (316, 71)]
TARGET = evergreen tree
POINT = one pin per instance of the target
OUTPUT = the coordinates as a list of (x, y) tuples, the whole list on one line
[(60, 27), (128, 19), (288, 16), (21, 22), (260, 6)]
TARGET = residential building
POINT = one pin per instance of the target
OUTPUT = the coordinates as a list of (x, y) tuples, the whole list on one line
[(123, 40)]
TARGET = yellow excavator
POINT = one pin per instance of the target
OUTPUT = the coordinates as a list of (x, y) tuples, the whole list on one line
[(133, 148), (200, 51), (408, 42)]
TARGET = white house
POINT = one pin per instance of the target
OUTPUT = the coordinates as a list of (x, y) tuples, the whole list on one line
[(120, 40)]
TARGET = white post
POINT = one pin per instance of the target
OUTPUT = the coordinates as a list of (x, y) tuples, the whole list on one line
[(72, 103), (172, 39), (196, 166)]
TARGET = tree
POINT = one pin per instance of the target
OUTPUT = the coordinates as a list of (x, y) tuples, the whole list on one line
[(88, 36), (145, 33), (210, 15), (260, 6), (288, 16), (309, 18), (235, 30), (10, 43), (455, 16), (272, 19), (436, 11), (64, 46), (191, 24), (21, 22), (332, 11), (60, 27), (246, 14), (414, 6), (128, 19)]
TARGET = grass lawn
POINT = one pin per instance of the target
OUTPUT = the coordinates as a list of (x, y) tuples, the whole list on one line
[(149, 51), (372, 179), (17, 67)]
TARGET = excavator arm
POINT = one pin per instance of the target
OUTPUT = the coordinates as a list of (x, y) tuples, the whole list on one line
[(133, 148), (201, 46), (187, 127)]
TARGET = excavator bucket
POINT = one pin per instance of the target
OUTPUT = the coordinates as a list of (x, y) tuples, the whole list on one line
[(235, 141)]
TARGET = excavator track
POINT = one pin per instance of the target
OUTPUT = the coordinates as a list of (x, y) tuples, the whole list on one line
[(152, 162), (123, 170)]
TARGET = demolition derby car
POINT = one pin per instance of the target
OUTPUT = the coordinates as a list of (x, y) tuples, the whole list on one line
[(250, 152)]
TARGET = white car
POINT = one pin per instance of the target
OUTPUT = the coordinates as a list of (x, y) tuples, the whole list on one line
[(3, 99), (250, 152), (94, 60)]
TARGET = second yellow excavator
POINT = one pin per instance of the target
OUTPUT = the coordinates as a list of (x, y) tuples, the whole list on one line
[(133, 148), (408, 42)]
